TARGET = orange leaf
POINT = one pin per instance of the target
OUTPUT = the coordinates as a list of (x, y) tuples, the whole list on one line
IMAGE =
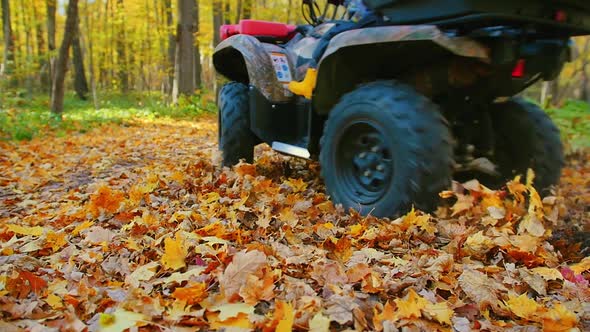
[(191, 294), (105, 199)]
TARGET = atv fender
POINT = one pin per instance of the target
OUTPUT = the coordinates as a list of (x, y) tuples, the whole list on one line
[(386, 52), (245, 59)]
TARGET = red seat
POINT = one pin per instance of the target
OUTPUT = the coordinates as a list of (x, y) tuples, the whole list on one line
[(264, 29)]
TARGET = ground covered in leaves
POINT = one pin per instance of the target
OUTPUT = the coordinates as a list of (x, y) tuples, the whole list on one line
[(135, 227)]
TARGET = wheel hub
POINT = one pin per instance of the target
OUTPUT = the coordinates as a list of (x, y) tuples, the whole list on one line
[(366, 161)]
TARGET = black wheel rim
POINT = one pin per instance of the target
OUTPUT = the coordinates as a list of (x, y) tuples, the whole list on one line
[(364, 162)]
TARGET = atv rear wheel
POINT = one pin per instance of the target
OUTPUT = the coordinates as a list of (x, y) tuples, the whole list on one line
[(525, 137), (385, 148), (236, 140)]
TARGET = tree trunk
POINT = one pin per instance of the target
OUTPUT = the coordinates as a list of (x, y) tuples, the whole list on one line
[(121, 53), (217, 20), (171, 44), (289, 9), (90, 56), (197, 64), (8, 61), (226, 11), (57, 96), (41, 53), (184, 78), (28, 63), (51, 9), (80, 82), (239, 11), (247, 9)]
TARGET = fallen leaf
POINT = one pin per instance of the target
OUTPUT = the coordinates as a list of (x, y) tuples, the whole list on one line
[(441, 312), (522, 306), (174, 253), (22, 230), (243, 264), (411, 306), (120, 320), (319, 323), (142, 273), (191, 294)]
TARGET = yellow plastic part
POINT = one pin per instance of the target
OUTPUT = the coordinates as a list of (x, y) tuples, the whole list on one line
[(305, 87)]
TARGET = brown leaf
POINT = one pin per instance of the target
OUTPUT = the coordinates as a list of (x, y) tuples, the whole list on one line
[(236, 274)]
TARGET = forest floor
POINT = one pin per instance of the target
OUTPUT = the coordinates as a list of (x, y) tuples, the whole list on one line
[(134, 224)]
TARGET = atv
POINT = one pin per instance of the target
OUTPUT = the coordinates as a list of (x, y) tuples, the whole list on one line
[(399, 102)]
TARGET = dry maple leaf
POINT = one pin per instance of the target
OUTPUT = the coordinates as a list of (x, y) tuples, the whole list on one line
[(480, 288), (175, 252), (243, 264), (387, 314), (522, 306), (339, 309), (441, 312), (559, 319), (105, 199), (258, 289), (411, 306), (191, 294), (120, 320)]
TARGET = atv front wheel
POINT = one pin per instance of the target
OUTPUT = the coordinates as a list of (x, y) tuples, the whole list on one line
[(525, 137), (385, 148), (236, 140)]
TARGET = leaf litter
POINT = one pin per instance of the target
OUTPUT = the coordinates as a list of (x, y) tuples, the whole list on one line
[(137, 228)]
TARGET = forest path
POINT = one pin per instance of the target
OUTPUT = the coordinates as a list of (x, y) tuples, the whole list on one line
[(98, 222)]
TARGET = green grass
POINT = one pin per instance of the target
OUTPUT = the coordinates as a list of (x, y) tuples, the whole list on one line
[(573, 119), (23, 119)]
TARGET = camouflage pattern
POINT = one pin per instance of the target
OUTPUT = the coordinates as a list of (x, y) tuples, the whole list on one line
[(460, 45), (262, 74), (259, 65)]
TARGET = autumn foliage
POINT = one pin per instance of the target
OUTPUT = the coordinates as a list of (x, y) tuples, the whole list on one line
[(138, 227)]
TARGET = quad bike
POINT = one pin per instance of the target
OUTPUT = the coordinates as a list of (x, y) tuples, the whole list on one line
[(396, 105)]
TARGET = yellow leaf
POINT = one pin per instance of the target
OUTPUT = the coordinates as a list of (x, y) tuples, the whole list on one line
[(241, 321), (233, 310), (411, 306), (85, 225), (441, 312), (479, 243), (286, 323), (319, 323), (23, 230), (289, 217), (327, 225), (522, 306), (142, 273), (298, 185), (174, 253), (56, 240), (532, 225), (357, 230), (464, 203), (582, 266), (120, 320), (54, 301), (548, 273), (559, 319)]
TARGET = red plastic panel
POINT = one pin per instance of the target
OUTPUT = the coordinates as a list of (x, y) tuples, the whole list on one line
[(257, 28)]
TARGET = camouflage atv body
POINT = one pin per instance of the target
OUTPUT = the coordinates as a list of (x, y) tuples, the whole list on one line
[(397, 110)]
